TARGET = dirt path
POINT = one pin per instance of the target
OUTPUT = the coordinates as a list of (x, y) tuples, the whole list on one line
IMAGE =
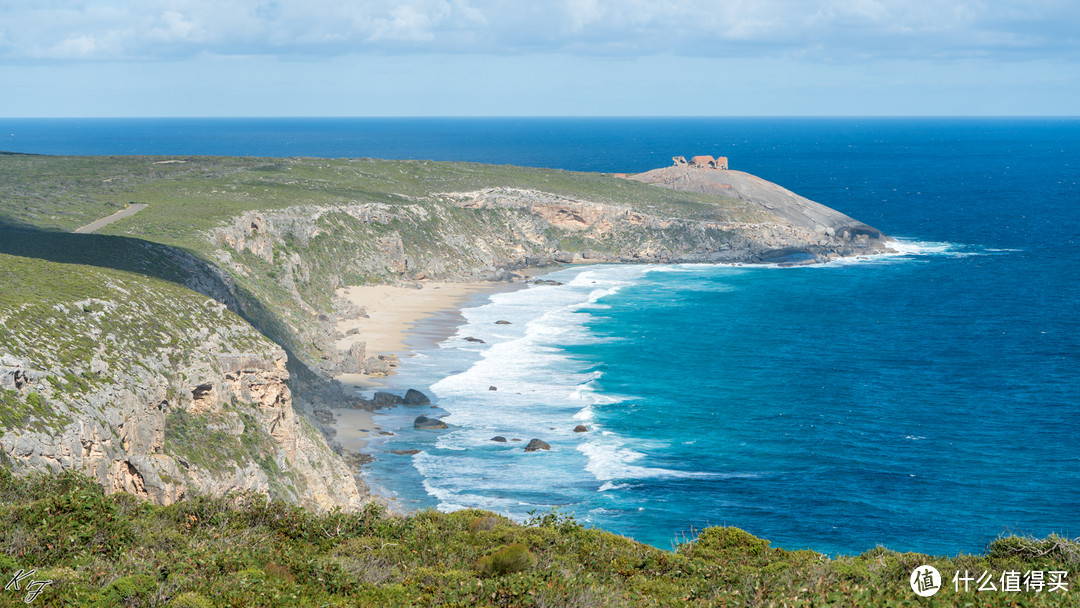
[(130, 210)]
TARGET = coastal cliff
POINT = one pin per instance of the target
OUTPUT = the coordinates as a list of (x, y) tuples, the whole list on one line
[(188, 347), (151, 389)]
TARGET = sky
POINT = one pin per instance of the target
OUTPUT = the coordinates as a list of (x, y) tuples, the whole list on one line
[(115, 58)]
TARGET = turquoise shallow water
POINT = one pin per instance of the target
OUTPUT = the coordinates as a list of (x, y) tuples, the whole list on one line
[(818, 407), (924, 401)]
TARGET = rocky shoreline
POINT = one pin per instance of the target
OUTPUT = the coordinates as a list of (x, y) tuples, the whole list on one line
[(225, 379)]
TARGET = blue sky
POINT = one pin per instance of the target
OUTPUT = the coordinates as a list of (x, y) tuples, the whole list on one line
[(572, 57)]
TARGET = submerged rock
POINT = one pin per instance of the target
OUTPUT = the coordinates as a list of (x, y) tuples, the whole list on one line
[(581, 428), (472, 339), (536, 444), (503, 323), (499, 439), (404, 452), (423, 422)]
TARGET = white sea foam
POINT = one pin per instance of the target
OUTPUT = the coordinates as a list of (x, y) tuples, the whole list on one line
[(906, 250), (608, 461), (541, 392)]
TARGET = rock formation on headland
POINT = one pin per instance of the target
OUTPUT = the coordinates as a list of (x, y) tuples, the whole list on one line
[(853, 236), (702, 162)]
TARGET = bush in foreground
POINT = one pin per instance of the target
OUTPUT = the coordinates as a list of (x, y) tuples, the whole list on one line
[(100, 550)]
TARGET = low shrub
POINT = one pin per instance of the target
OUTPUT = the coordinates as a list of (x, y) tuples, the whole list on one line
[(508, 559)]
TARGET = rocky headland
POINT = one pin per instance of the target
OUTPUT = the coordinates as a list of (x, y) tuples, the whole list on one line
[(191, 348)]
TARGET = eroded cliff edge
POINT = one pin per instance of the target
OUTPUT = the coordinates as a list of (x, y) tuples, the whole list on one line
[(152, 389)]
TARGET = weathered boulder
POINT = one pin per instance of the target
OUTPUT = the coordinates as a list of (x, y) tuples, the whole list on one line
[(383, 398), (352, 361), (380, 365), (415, 397), (536, 444), (425, 423), (581, 428)]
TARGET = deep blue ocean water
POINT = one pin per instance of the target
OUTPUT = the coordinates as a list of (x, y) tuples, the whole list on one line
[(928, 400)]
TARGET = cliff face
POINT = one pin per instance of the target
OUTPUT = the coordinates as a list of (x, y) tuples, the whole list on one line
[(154, 390), (294, 258)]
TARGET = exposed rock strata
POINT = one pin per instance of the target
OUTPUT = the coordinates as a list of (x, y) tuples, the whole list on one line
[(162, 393), (307, 252)]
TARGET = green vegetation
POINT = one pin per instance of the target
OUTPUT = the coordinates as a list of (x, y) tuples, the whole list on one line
[(30, 411), (188, 195), (200, 440), (114, 550)]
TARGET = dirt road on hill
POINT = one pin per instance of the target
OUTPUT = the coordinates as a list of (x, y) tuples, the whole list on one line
[(130, 210)]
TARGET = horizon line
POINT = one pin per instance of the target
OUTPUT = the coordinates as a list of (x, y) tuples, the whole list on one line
[(550, 116)]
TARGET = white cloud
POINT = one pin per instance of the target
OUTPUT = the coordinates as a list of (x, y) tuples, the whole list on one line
[(831, 30)]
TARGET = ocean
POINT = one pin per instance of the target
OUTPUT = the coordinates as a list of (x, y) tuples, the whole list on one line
[(927, 400)]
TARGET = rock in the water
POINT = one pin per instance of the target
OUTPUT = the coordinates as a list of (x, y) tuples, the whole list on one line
[(472, 339), (382, 398), (503, 323), (536, 444), (515, 439), (544, 282), (415, 397), (499, 439), (493, 388), (423, 422), (404, 452), (581, 428)]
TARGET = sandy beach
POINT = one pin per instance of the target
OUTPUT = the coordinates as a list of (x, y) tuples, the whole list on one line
[(353, 428), (398, 319), (394, 310)]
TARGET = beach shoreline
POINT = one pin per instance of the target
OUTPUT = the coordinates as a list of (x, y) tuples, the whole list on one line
[(398, 321)]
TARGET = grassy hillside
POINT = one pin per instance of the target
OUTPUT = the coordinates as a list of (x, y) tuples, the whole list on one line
[(188, 195), (115, 551)]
